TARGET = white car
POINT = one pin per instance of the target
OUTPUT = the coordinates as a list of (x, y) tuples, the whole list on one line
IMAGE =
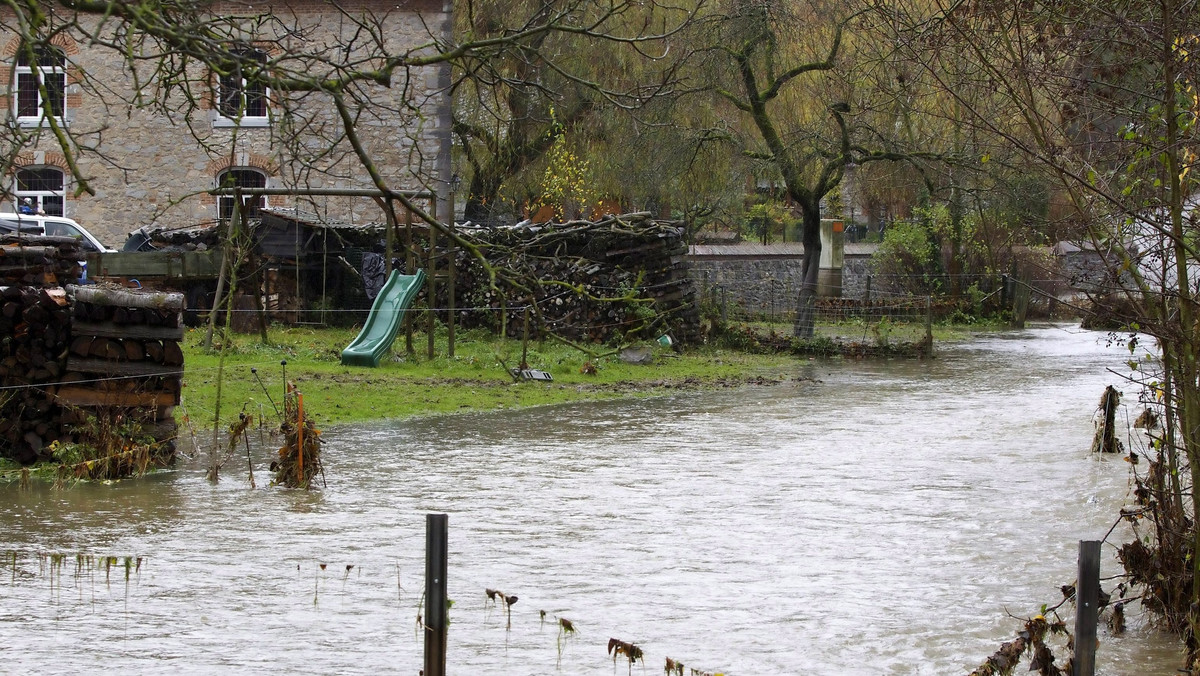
[(56, 226)]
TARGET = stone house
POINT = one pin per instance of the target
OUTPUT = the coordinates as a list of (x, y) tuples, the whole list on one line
[(155, 164)]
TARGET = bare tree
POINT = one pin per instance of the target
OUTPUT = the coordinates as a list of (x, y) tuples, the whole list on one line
[(1103, 96)]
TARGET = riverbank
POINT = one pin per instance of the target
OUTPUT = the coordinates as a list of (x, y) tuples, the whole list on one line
[(409, 384)]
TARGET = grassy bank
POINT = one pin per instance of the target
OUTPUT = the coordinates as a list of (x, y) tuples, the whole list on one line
[(411, 384)]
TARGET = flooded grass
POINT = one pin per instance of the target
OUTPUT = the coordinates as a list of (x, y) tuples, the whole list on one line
[(407, 385)]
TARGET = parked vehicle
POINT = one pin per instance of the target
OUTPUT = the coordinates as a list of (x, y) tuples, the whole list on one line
[(55, 226), (8, 227)]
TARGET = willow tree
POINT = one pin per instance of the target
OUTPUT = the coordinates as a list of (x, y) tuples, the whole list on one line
[(517, 99), (1105, 96), (790, 69)]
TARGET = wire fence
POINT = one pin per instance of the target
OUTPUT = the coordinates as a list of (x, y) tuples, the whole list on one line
[(777, 304), (874, 299)]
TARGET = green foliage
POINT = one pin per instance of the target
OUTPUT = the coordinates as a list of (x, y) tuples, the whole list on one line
[(817, 345), (107, 447), (882, 330), (767, 219), (905, 258)]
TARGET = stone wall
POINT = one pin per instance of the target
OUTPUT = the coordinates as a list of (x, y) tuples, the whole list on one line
[(160, 161), (765, 282)]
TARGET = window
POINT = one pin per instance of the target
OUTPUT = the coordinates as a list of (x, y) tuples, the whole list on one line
[(241, 178), (43, 186), (60, 229), (243, 96), (45, 71)]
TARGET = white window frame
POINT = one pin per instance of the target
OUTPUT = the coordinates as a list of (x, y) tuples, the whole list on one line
[(39, 196), (235, 85), (41, 72), (225, 203)]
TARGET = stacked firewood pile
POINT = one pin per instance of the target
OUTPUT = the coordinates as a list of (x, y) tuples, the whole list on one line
[(124, 364), (105, 370), (34, 330), (622, 277), (39, 261)]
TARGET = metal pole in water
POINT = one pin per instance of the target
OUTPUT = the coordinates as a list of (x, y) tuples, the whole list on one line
[(1087, 608), (435, 593)]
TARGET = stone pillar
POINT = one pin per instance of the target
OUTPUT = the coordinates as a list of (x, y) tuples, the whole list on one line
[(829, 275)]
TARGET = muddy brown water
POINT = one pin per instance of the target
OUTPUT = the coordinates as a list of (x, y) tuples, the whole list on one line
[(860, 518)]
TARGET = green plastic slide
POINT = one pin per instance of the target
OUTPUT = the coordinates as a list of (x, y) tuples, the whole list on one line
[(379, 332)]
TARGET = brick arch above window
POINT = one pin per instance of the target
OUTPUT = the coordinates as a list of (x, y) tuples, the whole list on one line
[(243, 160), (61, 40), (67, 46), (246, 177), (48, 158)]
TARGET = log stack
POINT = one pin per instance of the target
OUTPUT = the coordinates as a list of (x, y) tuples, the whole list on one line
[(39, 261), (124, 361), (621, 277), (34, 330), (84, 361)]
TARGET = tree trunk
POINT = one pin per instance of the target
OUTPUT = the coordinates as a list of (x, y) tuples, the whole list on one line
[(806, 303), (483, 193)]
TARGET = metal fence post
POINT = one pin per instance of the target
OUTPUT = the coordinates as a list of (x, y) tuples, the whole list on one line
[(436, 549), (1087, 608)]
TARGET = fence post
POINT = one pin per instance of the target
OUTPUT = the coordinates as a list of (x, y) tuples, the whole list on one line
[(1087, 608), (525, 342), (451, 279), (431, 282), (435, 594), (868, 299), (929, 323)]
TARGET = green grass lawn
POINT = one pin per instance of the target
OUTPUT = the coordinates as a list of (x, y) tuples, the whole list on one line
[(406, 385)]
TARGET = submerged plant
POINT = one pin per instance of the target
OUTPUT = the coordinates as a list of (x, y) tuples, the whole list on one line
[(509, 600), (630, 650), (300, 456), (566, 629)]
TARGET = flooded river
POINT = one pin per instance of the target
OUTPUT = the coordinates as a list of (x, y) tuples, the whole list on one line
[(860, 518)]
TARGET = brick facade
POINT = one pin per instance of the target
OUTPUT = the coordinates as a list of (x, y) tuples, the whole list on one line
[(154, 167)]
